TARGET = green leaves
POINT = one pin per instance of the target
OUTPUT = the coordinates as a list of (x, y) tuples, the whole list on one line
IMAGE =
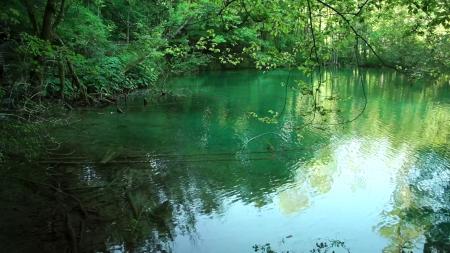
[(34, 46), (117, 45), (85, 32)]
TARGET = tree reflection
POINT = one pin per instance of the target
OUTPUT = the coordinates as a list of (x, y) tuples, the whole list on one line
[(63, 209), (421, 206), (90, 206)]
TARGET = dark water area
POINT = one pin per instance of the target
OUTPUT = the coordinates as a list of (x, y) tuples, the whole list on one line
[(238, 162)]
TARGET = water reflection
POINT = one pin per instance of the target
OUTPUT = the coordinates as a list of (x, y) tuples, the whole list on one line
[(189, 173), (420, 208)]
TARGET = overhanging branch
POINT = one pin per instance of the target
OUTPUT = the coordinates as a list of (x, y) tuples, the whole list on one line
[(357, 34)]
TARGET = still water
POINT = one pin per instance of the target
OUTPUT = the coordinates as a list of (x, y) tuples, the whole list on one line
[(240, 162)]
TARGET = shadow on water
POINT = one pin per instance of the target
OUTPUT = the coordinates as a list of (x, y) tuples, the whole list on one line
[(139, 181)]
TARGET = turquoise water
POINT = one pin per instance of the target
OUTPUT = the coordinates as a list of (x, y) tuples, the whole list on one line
[(229, 160)]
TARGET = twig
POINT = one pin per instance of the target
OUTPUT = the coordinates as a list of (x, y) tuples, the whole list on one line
[(357, 34)]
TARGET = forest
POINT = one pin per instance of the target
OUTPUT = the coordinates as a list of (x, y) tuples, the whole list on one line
[(268, 126), (90, 51)]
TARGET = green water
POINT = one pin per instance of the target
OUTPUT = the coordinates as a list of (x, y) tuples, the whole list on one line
[(195, 170)]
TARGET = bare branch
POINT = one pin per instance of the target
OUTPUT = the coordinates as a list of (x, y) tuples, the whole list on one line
[(361, 7)]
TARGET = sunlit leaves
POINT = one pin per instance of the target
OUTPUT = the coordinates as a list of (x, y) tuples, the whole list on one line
[(270, 118)]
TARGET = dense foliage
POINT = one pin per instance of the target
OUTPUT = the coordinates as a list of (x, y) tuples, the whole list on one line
[(89, 50)]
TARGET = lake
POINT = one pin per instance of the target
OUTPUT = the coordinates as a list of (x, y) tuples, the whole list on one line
[(245, 161)]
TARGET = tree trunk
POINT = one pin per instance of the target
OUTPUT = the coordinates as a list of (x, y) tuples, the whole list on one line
[(62, 77), (48, 19), (77, 81), (2, 69), (128, 27)]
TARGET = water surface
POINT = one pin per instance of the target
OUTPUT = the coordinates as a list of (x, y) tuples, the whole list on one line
[(230, 160)]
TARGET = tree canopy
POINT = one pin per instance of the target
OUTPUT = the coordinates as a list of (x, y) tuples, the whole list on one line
[(88, 50)]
